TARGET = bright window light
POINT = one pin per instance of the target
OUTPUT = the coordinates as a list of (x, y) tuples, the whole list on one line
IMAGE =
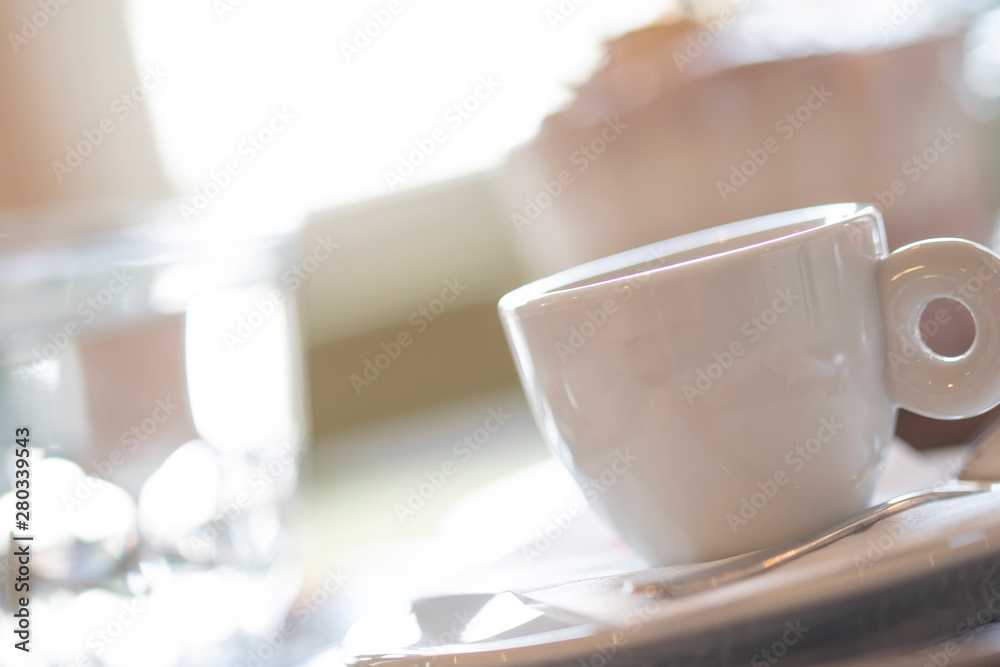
[(356, 107)]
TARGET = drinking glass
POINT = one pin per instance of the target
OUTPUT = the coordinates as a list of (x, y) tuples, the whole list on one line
[(154, 369)]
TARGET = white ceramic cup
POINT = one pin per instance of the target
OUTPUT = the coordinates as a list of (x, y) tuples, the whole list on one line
[(725, 390)]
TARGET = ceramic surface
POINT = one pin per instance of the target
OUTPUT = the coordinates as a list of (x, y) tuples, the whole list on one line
[(726, 390)]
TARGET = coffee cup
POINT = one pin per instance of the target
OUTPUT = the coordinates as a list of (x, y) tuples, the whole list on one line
[(726, 390)]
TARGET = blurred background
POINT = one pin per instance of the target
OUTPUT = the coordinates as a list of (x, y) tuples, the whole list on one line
[(317, 207)]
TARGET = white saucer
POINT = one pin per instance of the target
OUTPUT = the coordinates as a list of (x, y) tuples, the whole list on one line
[(910, 581)]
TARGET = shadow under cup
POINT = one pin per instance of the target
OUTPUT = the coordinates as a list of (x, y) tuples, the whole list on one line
[(726, 390), (159, 375)]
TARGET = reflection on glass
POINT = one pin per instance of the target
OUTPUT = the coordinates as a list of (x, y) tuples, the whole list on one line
[(167, 434)]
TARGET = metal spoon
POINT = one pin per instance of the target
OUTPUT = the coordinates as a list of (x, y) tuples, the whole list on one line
[(981, 473)]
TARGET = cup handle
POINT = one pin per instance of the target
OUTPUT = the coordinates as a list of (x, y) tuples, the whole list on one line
[(919, 379)]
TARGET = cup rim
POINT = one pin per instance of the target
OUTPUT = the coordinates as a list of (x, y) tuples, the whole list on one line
[(565, 285)]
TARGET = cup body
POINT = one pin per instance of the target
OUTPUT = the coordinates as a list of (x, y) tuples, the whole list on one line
[(718, 392)]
